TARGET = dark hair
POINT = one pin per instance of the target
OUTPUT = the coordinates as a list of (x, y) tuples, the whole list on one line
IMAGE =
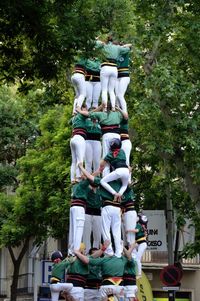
[(92, 250)]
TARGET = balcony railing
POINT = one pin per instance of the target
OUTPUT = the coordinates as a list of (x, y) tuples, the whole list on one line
[(159, 257)]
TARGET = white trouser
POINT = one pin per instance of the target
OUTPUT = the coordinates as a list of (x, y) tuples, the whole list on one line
[(92, 155), (92, 294), (56, 288), (93, 91), (111, 219), (76, 226), (120, 90), (127, 147), (130, 291), (106, 289), (106, 139), (92, 225), (78, 81), (129, 223), (121, 173), (108, 77), (140, 251), (78, 146), (78, 293)]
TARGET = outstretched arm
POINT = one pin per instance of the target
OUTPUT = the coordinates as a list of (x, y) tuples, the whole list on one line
[(85, 172), (102, 165)]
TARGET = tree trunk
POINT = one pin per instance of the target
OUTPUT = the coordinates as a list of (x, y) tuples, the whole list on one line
[(16, 264)]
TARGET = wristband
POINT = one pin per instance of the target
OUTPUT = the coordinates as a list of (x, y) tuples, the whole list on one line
[(103, 248)]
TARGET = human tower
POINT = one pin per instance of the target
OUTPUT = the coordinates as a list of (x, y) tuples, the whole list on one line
[(102, 203)]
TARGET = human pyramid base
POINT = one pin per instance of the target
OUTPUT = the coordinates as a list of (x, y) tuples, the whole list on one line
[(106, 236)]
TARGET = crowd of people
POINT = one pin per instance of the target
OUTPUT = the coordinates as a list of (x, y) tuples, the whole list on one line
[(102, 203)]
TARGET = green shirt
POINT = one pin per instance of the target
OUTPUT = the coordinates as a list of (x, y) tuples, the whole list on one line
[(116, 161), (128, 196), (78, 121), (81, 190), (124, 126), (107, 118), (140, 233), (93, 127), (78, 267), (110, 50), (94, 199), (105, 195), (94, 272), (93, 65), (110, 266), (58, 269), (123, 60), (130, 268)]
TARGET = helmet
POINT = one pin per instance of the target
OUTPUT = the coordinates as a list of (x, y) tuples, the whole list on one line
[(115, 144), (56, 255), (143, 219)]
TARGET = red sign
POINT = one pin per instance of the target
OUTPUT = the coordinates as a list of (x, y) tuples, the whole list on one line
[(171, 275)]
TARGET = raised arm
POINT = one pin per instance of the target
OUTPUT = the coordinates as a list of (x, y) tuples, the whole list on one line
[(85, 172), (82, 257), (84, 113), (125, 114), (99, 252), (129, 251)]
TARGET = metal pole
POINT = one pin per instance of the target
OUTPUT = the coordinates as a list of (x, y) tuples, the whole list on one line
[(170, 236)]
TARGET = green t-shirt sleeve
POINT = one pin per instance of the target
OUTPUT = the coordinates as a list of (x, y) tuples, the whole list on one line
[(99, 44), (95, 261), (84, 183), (94, 115), (108, 157), (124, 50), (97, 180)]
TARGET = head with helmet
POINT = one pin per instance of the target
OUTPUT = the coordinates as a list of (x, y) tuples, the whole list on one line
[(142, 219), (115, 144), (56, 256)]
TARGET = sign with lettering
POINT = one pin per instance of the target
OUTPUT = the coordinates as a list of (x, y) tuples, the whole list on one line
[(46, 271), (144, 289), (156, 229)]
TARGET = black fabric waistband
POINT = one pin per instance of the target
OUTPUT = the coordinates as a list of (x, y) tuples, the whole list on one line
[(120, 164), (110, 203), (79, 131), (92, 136), (120, 75), (129, 279), (76, 280), (110, 129), (127, 209), (110, 64), (92, 78), (93, 211), (78, 202), (93, 283)]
